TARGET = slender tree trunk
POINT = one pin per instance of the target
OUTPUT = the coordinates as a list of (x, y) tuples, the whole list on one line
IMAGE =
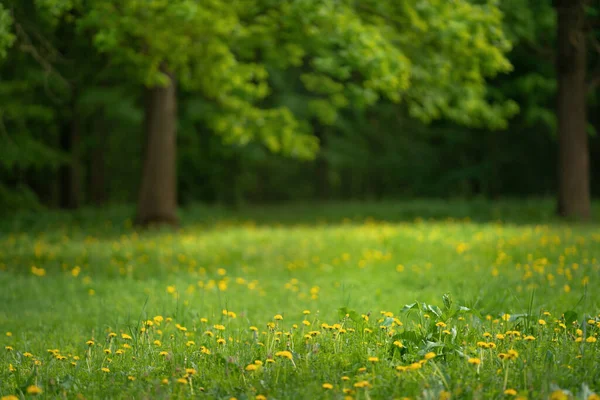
[(322, 188), (157, 203), (70, 173), (573, 163), (97, 180)]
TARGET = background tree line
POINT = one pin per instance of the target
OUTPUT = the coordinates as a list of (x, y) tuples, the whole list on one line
[(170, 102)]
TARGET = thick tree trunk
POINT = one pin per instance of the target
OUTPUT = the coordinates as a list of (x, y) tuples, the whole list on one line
[(157, 203), (573, 163), (70, 173), (97, 180)]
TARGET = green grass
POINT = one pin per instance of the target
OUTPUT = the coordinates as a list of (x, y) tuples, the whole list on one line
[(67, 279)]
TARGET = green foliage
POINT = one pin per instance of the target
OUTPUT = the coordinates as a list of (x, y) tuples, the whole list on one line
[(6, 36)]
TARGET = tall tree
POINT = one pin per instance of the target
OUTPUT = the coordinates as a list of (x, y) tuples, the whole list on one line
[(571, 66)]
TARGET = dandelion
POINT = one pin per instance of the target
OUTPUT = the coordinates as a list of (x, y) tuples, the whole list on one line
[(190, 371), (104, 369), (9, 334), (27, 354), (219, 327), (558, 395), (8, 348), (163, 353), (284, 354), (157, 343), (119, 352), (327, 386), (221, 341), (541, 322), (183, 381), (499, 336), (278, 317), (510, 392), (474, 361), (126, 336), (33, 389), (591, 339), (429, 355), (10, 397), (251, 367), (440, 324), (505, 317), (260, 397), (513, 354), (529, 338), (131, 378), (362, 384), (398, 343), (165, 381), (306, 312), (373, 359)]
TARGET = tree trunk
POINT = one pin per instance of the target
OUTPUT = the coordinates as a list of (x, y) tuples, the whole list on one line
[(157, 203), (573, 163), (97, 180), (321, 165), (70, 173)]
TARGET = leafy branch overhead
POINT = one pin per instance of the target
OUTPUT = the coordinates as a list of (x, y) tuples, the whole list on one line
[(345, 53)]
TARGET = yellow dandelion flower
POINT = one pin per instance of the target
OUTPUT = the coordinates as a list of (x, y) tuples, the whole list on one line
[(529, 338), (251, 367), (558, 395), (126, 336), (591, 339), (219, 327), (163, 353), (541, 322), (499, 336), (165, 381), (278, 317), (9, 397), (33, 389), (510, 392), (284, 354), (27, 354), (306, 312), (190, 371), (183, 381), (505, 317), (345, 378), (221, 341), (104, 369), (474, 361), (8, 348), (429, 355), (327, 386), (362, 384), (107, 351), (440, 324), (512, 354), (373, 359), (260, 397)]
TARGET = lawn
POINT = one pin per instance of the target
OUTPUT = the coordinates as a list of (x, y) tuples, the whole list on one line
[(426, 299)]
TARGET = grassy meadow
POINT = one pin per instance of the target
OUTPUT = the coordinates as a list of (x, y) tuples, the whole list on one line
[(428, 300)]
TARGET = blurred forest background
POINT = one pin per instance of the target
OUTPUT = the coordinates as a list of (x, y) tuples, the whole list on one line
[(170, 102)]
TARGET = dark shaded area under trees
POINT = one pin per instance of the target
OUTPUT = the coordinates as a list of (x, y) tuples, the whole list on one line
[(224, 103)]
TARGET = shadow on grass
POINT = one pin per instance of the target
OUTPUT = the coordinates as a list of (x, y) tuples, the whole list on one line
[(114, 220)]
